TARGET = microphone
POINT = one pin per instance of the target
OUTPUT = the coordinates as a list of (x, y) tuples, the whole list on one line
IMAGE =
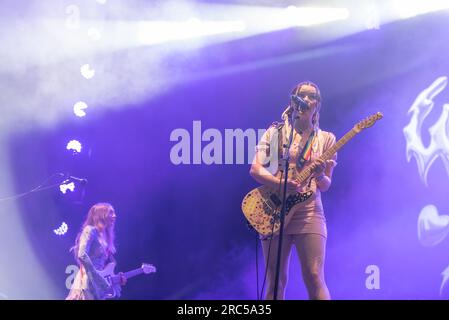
[(69, 177), (299, 104), (81, 180)]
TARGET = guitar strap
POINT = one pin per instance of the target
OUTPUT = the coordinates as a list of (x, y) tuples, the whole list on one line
[(306, 152)]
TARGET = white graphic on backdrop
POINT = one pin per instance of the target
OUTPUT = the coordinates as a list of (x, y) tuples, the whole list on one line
[(432, 227), (439, 141)]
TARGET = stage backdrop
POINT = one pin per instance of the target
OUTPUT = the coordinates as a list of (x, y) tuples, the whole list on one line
[(169, 166)]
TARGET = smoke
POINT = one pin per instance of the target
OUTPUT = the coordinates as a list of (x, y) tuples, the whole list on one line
[(21, 275), (45, 45), (236, 279)]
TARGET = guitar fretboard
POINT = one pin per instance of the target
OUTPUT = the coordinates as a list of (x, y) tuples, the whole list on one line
[(133, 273), (328, 154)]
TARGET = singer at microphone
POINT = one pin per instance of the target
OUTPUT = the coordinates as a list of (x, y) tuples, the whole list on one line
[(302, 226)]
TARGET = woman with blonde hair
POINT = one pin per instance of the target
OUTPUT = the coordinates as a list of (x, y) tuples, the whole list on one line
[(306, 230)]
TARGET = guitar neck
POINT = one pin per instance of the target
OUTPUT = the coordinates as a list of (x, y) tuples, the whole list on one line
[(133, 273), (337, 146), (328, 154)]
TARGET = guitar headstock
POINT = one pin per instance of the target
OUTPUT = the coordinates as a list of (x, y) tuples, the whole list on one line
[(148, 268), (368, 122)]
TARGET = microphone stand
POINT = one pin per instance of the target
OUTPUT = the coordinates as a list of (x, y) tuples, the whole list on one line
[(286, 159)]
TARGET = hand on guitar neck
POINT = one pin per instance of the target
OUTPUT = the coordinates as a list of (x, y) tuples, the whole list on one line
[(319, 169), (119, 279)]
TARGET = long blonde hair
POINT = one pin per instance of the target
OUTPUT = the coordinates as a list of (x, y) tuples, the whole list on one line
[(98, 214)]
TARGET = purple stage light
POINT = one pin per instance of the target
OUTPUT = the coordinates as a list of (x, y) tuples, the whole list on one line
[(94, 34), (75, 146), (62, 230), (79, 107), (64, 187), (87, 71)]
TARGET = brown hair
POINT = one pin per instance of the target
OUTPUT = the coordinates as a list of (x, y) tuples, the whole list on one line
[(98, 214)]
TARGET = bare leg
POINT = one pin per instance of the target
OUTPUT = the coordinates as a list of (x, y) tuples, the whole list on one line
[(311, 248), (272, 260)]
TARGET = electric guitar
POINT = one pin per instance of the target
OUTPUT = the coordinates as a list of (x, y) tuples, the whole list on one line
[(114, 279), (262, 205)]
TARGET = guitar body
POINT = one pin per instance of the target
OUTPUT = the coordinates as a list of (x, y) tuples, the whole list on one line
[(262, 206), (108, 271), (114, 280)]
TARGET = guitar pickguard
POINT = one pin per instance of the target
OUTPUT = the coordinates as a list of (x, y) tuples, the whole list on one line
[(262, 208)]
